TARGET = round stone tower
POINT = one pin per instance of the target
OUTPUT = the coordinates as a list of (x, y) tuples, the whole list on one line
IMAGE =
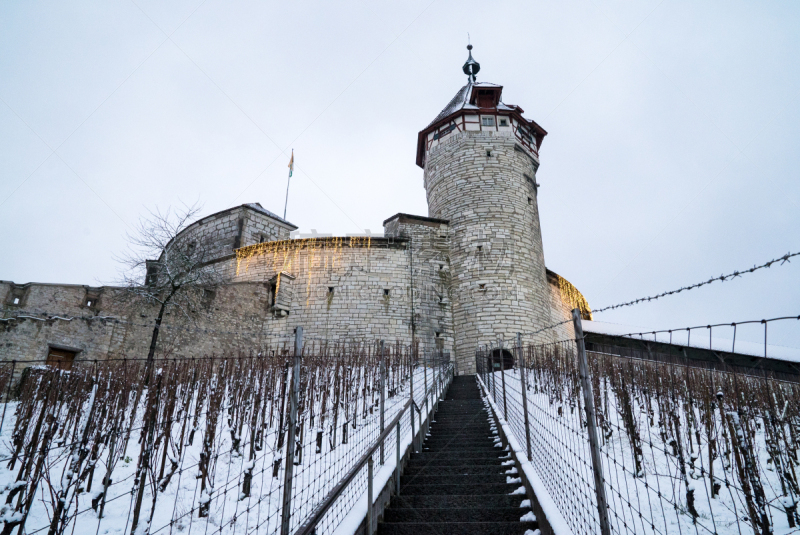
[(480, 158)]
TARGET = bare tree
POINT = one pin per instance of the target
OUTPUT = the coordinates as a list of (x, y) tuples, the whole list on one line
[(180, 277)]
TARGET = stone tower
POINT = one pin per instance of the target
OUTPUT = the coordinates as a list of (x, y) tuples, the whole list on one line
[(480, 158)]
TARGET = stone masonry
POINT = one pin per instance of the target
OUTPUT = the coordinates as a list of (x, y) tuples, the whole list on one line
[(470, 274)]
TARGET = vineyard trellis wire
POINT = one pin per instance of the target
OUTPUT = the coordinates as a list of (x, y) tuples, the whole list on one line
[(682, 447), (208, 442)]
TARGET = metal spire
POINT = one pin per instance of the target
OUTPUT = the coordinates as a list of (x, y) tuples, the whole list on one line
[(471, 67)]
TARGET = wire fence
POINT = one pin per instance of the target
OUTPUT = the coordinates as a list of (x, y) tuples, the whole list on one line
[(677, 447), (199, 444)]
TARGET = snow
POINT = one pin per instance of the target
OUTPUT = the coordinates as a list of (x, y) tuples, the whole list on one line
[(230, 510), (554, 517), (657, 498)]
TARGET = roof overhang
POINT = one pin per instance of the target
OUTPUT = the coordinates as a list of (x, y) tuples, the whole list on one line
[(513, 111)]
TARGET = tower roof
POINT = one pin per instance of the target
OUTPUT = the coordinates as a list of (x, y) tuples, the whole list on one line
[(465, 100), (478, 98)]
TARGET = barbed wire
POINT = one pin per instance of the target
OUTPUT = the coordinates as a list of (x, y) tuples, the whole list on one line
[(783, 259)]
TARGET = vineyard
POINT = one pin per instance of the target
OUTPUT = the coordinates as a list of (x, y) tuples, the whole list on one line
[(194, 444), (684, 449)]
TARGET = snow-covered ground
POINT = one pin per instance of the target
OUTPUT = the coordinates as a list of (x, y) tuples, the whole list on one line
[(215, 465), (683, 450)]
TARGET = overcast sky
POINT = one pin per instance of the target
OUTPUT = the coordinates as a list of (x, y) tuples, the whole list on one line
[(672, 153)]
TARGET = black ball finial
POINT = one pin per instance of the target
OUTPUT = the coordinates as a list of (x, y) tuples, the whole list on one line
[(471, 67)]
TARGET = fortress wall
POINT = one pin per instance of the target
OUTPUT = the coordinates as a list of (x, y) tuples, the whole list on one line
[(359, 270), (429, 245), (240, 315), (561, 310), (233, 320)]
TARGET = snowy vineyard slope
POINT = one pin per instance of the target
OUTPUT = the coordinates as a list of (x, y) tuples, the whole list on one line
[(200, 446), (684, 449)]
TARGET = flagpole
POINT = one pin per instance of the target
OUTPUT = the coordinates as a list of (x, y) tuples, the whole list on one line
[(288, 180)]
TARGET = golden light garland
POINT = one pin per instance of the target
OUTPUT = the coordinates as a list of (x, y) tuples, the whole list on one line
[(284, 255), (574, 297)]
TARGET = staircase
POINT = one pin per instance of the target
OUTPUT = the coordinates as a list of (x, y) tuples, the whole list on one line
[(457, 485)]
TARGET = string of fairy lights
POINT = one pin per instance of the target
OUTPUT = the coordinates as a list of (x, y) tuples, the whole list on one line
[(284, 255)]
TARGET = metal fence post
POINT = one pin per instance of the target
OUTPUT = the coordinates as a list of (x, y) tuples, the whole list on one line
[(286, 512), (383, 395), (503, 380), (594, 444), (427, 405), (370, 470), (494, 378), (397, 467), (413, 441), (524, 384)]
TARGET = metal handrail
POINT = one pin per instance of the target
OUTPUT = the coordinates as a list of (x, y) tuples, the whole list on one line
[(309, 526)]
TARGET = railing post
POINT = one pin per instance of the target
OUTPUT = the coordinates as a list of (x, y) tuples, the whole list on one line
[(594, 443), (370, 470), (427, 404), (397, 467), (286, 512), (503, 379), (383, 394), (413, 440), (524, 384), (494, 378)]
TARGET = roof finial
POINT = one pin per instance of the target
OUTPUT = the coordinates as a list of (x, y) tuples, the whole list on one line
[(471, 67)]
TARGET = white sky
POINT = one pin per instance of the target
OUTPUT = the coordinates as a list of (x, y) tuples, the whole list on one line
[(672, 152)]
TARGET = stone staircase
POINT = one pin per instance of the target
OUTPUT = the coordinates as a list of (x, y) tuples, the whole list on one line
[(458, 484)]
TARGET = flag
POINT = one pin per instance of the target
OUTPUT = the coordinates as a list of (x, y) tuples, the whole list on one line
[(291, 164)]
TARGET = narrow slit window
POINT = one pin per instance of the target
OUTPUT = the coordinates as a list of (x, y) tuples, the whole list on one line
[(386, 292)]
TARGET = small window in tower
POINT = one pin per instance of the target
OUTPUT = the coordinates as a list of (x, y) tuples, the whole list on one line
[(480, 248), (262, 238), (503, 121), (487, 121), (386, 292), (330, 291), (530, 201), (481, 286)]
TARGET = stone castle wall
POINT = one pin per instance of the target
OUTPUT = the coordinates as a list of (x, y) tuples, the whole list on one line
[(484, 184), (336, 288)]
